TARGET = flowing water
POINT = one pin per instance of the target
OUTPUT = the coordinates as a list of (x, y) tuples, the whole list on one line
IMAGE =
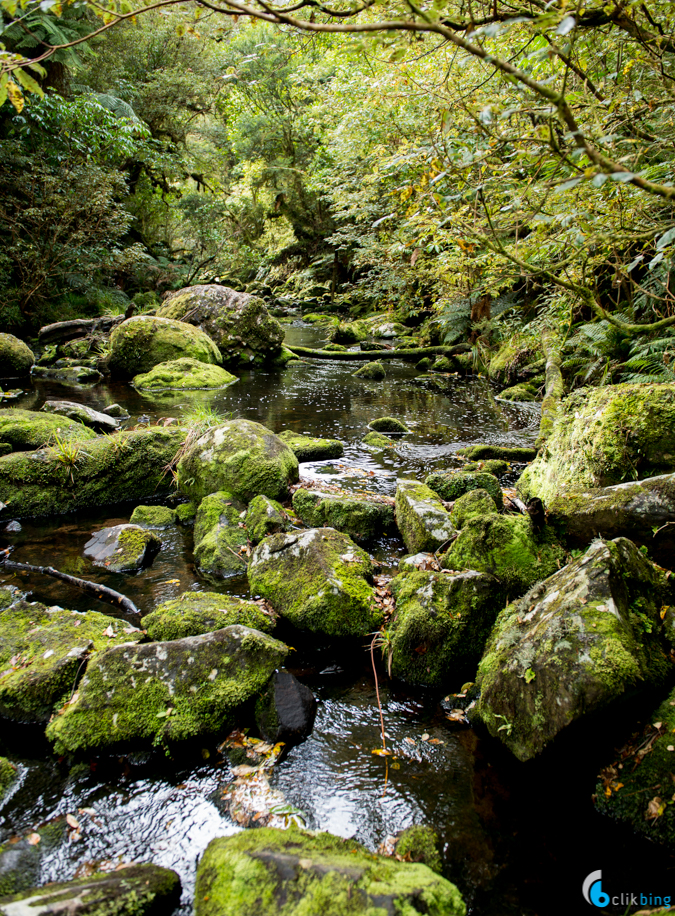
[(517, 839)]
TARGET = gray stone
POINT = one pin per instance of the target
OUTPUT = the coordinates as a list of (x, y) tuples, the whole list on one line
[(122, 548), (86, 415), (115, 410), (286, 709), (219, 536)]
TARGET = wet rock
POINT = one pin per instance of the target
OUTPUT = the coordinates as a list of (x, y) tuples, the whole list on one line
[(349, 332), (21, 859), (601, 436), (265, 516), (335, 348), (368, 346), (82, 414), (8, 776), (378, 441), (444, 364), (362, 518), (519, 393), (41, 655), (219, 536), (388, 425), (104, 471), (70, 375), (502, 452), (122, 548), (186, 513), (450, 485), (115, 410), (194, 613), (419, 844), (425, 364), (16, 358), (241, 457), (182, 374), (575, 643), (505, 546), (441, 624), (285, 710), (152, 694), (318, 579), (153, 517), (421, 517), (25, 430), (387, 329), (311, 448), (139, 344), (303, 873), (474, 504), (373, 371), (239, 323), (137, 889)]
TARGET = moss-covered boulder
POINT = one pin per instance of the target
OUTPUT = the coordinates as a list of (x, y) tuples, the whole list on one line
[(580, 640), (318, 579), (98, 421), (41, 655), (139, 344), (122, 548), (194, 613), (265, 516), (441, 624), (422, 519), (8, 776), (419, 843), (501, 452), (270, 871), (388, 425), (373, 371), (363, 518), (378, 441), (153, 517), (186, 513), (77, 376), (507, 547), (603, 436), (494, 466), (348, 332), (239, 456), (133, 891), (183, 375), (219, 536), (450, 485), (514, 355), (311, 448), (519, 393), (474, 504), (16, 359), (156, 693), (239, 323), (444, 364), (25, 430)]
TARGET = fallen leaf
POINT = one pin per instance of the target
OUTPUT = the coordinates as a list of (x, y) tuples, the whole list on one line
[(425, 737), (655, 808), (381, 752), (109, 631), (72, 821), (33, 839)]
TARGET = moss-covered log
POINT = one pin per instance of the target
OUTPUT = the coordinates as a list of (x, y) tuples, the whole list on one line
[(555, 386), (369, 355)]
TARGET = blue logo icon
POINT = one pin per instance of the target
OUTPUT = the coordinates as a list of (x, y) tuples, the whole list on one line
[(592, 890)]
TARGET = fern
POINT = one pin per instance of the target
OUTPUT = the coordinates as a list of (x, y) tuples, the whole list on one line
[(651, 361)]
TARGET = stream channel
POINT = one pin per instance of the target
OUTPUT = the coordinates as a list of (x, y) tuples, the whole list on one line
[(515, 838)]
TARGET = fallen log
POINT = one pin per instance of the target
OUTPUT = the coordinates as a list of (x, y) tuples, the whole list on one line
[(102, 592), (62, 331), (372, 355)]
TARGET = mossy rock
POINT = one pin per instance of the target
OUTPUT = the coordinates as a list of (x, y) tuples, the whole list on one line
[(388, 425), (163, 692), (494, 466), (282, 358), (26, 430), (443, 364), (8, 776), (519, 393), (574, 644), (373, 371), (378, 440), (315, 318), (21, 858), (269, 872), (16, 358), (361, 518), (506, 547), (239, 456), (219, 536), (518, 454), (450, 485), (48, 646), (106, 470), (185, 513), (265, 516), (122, 548), (153, 517), (76, 349), (602, 436), (425, 364), (195, 613), (311, 448), (135, 890), (441, 624), (335, 348), (139, 344), (422, 519), (80, 413), (419, 843), (318, 579), (348, 333), (474, 504), (369, 346), (184, 374), (513, 356), (69, 375)]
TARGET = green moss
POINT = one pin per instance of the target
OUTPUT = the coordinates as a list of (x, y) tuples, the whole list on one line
[(421, 517), (377, 440), (494, 466), (16, 359), (194, 613), (373, 371), (349, 333), (335, 348), (450, 485), (310, 448), (8, 775), (139, 344), (20, 861), (519, 393), (424, 364), (41, 655), (419, 844), (135, 545), (474, 504), (388, 425), (185, 373), (504, 453), (163, 692), (153, 516), (518, 351), (69, 375), (291, 873), (318, 579), (219, 536), (264, 517), (362, 518), (185, 513), (25, 430), (444, 364)]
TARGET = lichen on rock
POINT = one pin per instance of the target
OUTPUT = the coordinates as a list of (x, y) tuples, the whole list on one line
[(265, 516), (474, 504)]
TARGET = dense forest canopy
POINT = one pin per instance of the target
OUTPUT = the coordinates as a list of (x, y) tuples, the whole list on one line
[(499, 166)]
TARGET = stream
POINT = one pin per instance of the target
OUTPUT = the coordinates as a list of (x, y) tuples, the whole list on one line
[(516, 839)]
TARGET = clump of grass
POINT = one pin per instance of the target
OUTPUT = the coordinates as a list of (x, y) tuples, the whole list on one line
[(197, 421), (68, 453)]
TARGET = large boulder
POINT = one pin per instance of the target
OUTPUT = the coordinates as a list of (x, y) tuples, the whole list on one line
[(311, 448), (239, 323), (152, 694), (104, 471), (601, 437), (220, 536), (82, 414), (450, 485), (577, 642), (239, 456), (194, 613), (122, 548), (285, 710), (361, 517), (153, 517), (25, 430), (441, 624), (139, 344), (42, 651), (318, 579), (422, 519), (16, 359), (271, 871), (186, 374)]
